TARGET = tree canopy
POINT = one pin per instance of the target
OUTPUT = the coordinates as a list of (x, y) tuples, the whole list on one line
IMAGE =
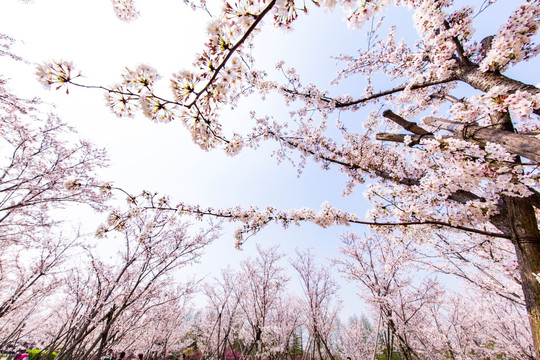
[(439, 133)]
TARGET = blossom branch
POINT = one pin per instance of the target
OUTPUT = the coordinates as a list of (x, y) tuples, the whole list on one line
[(341, 104), (233, 49), (255, 220)]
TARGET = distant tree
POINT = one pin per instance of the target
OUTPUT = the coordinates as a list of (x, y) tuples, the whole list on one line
[(356, 339), (249, 311), (420, 318), (44, 166), (283, 332), (159, 327), (320, 305), (217, 327), (106, 301), (31, 273), (261, 283)]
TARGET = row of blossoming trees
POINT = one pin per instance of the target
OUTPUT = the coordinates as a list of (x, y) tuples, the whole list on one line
[(456, 195), (60, 292)]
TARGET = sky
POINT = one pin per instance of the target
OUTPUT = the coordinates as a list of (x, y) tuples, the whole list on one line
[(161, 157)]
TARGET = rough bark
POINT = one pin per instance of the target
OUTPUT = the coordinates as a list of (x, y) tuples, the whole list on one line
[(523, 230), (526, 239), (522, 145), (485, 81), (407, 125)]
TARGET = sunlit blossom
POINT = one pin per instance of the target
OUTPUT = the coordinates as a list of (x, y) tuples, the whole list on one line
[(56, 72)]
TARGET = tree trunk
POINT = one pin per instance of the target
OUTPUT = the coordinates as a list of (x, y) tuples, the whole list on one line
[(486, 80), (526, 239), (388, 349), (523, 225)]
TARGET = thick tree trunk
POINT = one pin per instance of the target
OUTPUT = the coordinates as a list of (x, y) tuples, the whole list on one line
[(485, 81), (526, 239), (522, 224)]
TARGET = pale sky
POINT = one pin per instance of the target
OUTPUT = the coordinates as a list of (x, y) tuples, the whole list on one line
[(161, 157)]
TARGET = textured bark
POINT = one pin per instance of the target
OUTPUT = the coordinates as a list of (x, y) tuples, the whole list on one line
[(523, 230), (522, 145), (407, 125), (526, 239), (485, 81)]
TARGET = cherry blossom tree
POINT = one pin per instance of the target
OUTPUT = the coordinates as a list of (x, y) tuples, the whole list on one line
[(157, 329), (284, 322), (482, 324), (384, 272), (217, 327), (319, 303), (44, 166), (467, 165), (29, 277), (42, 169), (355, 339), (261, 283), (422, 318), (249, 311), (103, 297)]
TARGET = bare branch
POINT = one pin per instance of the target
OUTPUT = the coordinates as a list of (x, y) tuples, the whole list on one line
[(407, 125)]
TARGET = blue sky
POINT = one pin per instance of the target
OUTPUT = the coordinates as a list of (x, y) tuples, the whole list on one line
[(161, 157)]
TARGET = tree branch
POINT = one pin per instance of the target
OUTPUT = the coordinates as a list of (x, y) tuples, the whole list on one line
[(340, 105), (522, 145), (233, 50), (486, 80), (407, 125)]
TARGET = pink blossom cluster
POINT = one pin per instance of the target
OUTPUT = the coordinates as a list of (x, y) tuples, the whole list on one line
[(58, 73), (513, 43), (135, 91), (520, 104), (125, 9)]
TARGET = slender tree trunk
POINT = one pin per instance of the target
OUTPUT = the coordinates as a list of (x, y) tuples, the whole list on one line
[(232, 348), (392, 345), (327, 349), (319, 348), (388, 346), (105, 333), (377, 336)]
